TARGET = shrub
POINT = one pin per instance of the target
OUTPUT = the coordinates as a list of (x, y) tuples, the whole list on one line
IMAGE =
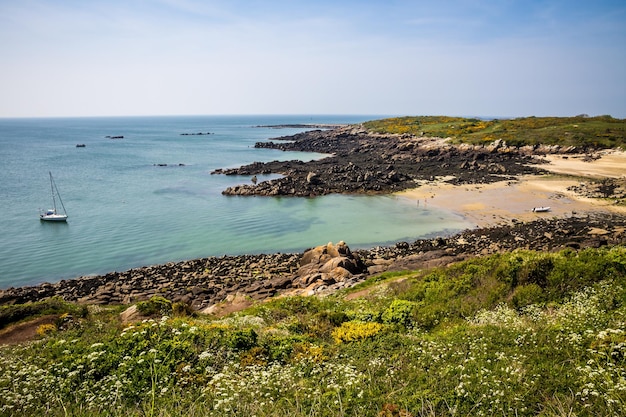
[(536, 271), (527, 294), (399, 312), (44, 329), (352, 331), (309, 353), (154, 306), (280, 348), (242, 339), (55, 305), (181, 309)]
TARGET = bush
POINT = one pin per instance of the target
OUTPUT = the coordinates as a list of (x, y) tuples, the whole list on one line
[(156, 305), (181, 309), (55, 305), (527, 294), (536, 271), (399, 312), (280, 348), (44, 329), (352, 331)]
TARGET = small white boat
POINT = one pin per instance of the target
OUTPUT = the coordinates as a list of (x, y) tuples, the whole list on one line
[(51, 215), (541, 209)]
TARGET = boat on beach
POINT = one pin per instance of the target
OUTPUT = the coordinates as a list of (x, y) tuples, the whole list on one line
[(52, 215), (541, 209)]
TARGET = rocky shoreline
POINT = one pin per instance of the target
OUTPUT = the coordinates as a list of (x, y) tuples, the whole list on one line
[(363, 162), (202, 283)]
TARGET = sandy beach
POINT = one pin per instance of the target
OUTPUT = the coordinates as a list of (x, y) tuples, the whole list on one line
[(490, 204)]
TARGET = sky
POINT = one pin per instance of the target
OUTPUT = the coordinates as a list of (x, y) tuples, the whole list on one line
[(489, 58)]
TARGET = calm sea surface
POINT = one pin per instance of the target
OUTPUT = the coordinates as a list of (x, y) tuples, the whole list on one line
[(127, 211)]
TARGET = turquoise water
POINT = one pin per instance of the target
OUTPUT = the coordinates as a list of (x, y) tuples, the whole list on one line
[(126, 211)]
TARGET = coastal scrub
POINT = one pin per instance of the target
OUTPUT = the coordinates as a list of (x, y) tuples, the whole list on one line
[(446, 342)]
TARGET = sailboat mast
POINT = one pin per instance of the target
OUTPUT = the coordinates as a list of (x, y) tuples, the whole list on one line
[(54, 202), (55, 192)]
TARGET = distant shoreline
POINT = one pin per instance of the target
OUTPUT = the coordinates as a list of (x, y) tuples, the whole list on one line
[(302, 126)]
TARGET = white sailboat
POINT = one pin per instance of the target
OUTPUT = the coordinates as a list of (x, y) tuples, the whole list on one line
[(51, 215)]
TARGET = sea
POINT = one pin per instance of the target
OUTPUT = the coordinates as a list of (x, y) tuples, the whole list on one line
[(150, 198)]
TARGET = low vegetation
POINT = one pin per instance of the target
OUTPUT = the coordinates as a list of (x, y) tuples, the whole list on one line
[(14, 313), (518, 334), (599, 132)]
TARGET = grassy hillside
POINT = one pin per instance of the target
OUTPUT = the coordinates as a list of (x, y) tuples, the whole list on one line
[(594, 132), (516, 334)]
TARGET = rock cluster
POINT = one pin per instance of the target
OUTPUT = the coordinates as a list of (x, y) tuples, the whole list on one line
[(328, 266), (198, 282), (363, 162), (202, 283), (592, 230), (609, 188)]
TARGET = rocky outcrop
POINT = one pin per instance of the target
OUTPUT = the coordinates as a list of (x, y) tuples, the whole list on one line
[(198, 282), (591, 230), (362, 162), (608, 188), (328, 266)]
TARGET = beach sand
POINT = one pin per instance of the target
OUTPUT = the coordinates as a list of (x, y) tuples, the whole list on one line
[(490, 204), (611, 164)]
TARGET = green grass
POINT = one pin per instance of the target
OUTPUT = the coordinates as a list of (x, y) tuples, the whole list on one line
[(14, 313), (520, 334), (585, 132)]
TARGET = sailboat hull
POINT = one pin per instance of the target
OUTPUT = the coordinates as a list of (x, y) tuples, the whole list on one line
[(53, 217)]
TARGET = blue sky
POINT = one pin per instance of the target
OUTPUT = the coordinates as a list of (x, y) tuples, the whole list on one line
[(502, 58)]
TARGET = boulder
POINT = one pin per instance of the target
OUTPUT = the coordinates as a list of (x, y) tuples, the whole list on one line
[(312, 178), (327, 264), (340, 262), (130, 315)]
